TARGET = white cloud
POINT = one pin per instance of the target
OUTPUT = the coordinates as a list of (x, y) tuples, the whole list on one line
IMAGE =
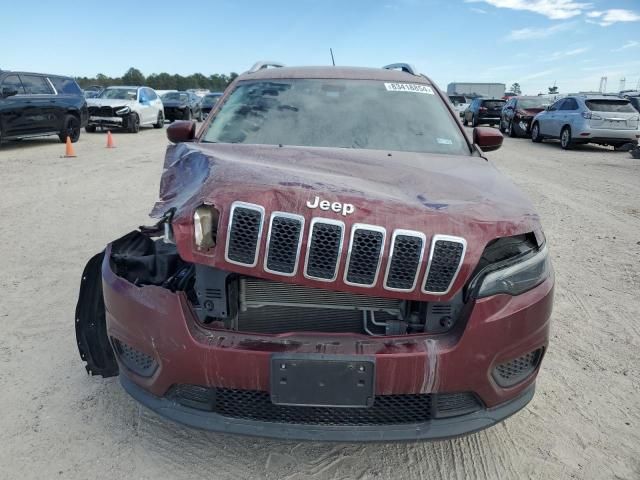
[(629, 44), (615, 15), (535, 33), (554, 9), (478, 10), (565, 53), (543, 73)]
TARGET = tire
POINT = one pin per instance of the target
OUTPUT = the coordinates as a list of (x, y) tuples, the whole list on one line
[(70, 128), (464, 121), (501, 127), (474, 121), (512, 131), (535, 133), (160, 122), (133, 123), (90, 128), (566, 141), (187, 114)]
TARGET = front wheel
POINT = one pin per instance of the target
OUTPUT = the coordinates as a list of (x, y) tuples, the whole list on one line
[(565, 138), (535, 133), (512, 130), (133, 123), (70, 128), (187, 114), (160, 122)]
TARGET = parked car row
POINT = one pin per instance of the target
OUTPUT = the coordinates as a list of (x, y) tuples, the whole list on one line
[(575, 119)]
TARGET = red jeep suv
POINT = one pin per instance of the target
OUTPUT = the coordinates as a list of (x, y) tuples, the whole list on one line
[(334, 260)]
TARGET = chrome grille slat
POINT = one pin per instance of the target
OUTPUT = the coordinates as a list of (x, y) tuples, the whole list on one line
[(405, 258), (365, 255), (445, 260), (324, 249), (244, 233)]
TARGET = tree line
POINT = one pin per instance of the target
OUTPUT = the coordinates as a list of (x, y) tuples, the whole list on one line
[(161, 81)]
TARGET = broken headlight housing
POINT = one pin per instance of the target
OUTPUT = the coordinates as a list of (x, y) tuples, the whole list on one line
[(205, 226), (516, 275)]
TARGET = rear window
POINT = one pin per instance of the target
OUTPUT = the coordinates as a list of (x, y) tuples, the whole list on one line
[(493, 103), (621, 106), (66, 85), (362, 114)]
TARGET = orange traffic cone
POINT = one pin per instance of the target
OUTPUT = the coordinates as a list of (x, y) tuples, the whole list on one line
[(69, 152), (110, 143)]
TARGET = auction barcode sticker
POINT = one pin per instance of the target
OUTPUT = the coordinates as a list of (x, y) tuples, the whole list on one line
[(408, 87)]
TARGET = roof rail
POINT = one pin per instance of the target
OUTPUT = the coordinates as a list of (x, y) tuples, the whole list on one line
[(405, 67), (264, 64)]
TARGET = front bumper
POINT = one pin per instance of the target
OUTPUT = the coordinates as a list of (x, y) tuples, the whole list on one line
[(106, 121), (432, 430), (162, 325)]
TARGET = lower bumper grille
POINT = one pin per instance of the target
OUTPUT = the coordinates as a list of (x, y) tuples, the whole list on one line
[(514, 371), (386, 410)]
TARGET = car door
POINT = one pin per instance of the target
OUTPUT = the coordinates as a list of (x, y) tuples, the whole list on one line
[(41, 112), (12, 121), (567, 114), (547, 121), (144, 106), (508, 110), (156, 104)]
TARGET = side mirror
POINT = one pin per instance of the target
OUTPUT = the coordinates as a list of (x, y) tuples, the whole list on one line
[(181, 131), (9, 92), (488, 139)]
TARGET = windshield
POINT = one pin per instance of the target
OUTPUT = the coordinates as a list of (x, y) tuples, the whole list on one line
[(457, 99), (362, 114), (181, 97), (526, 103), (210, 100), (622, 106), (119, 94)]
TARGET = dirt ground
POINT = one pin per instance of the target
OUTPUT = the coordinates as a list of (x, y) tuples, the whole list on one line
[(57, 422)]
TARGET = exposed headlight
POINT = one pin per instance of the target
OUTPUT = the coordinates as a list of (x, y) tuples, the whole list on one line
[(205, 225), (123, 111), (519, 277)]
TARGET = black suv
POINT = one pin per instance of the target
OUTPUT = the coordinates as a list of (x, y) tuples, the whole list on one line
[(35, 104), (483, 110)]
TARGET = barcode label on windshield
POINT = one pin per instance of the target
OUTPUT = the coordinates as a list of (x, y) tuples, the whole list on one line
[(408, 87)]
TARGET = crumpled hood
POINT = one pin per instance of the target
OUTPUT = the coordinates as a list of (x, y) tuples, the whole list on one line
[(110, 102), (435, 194)]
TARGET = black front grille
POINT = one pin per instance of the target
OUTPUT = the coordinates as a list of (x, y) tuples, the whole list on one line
[(445, 260), (284, 239), (102, 111), (136, 361), (386, 410), (244, 235), (364, 257), (514, 371), (405, 261), (324, 250)]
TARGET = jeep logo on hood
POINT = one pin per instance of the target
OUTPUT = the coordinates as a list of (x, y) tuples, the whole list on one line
[(344, 208)]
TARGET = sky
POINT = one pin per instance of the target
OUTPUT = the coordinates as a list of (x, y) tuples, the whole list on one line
[(537, 43)]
